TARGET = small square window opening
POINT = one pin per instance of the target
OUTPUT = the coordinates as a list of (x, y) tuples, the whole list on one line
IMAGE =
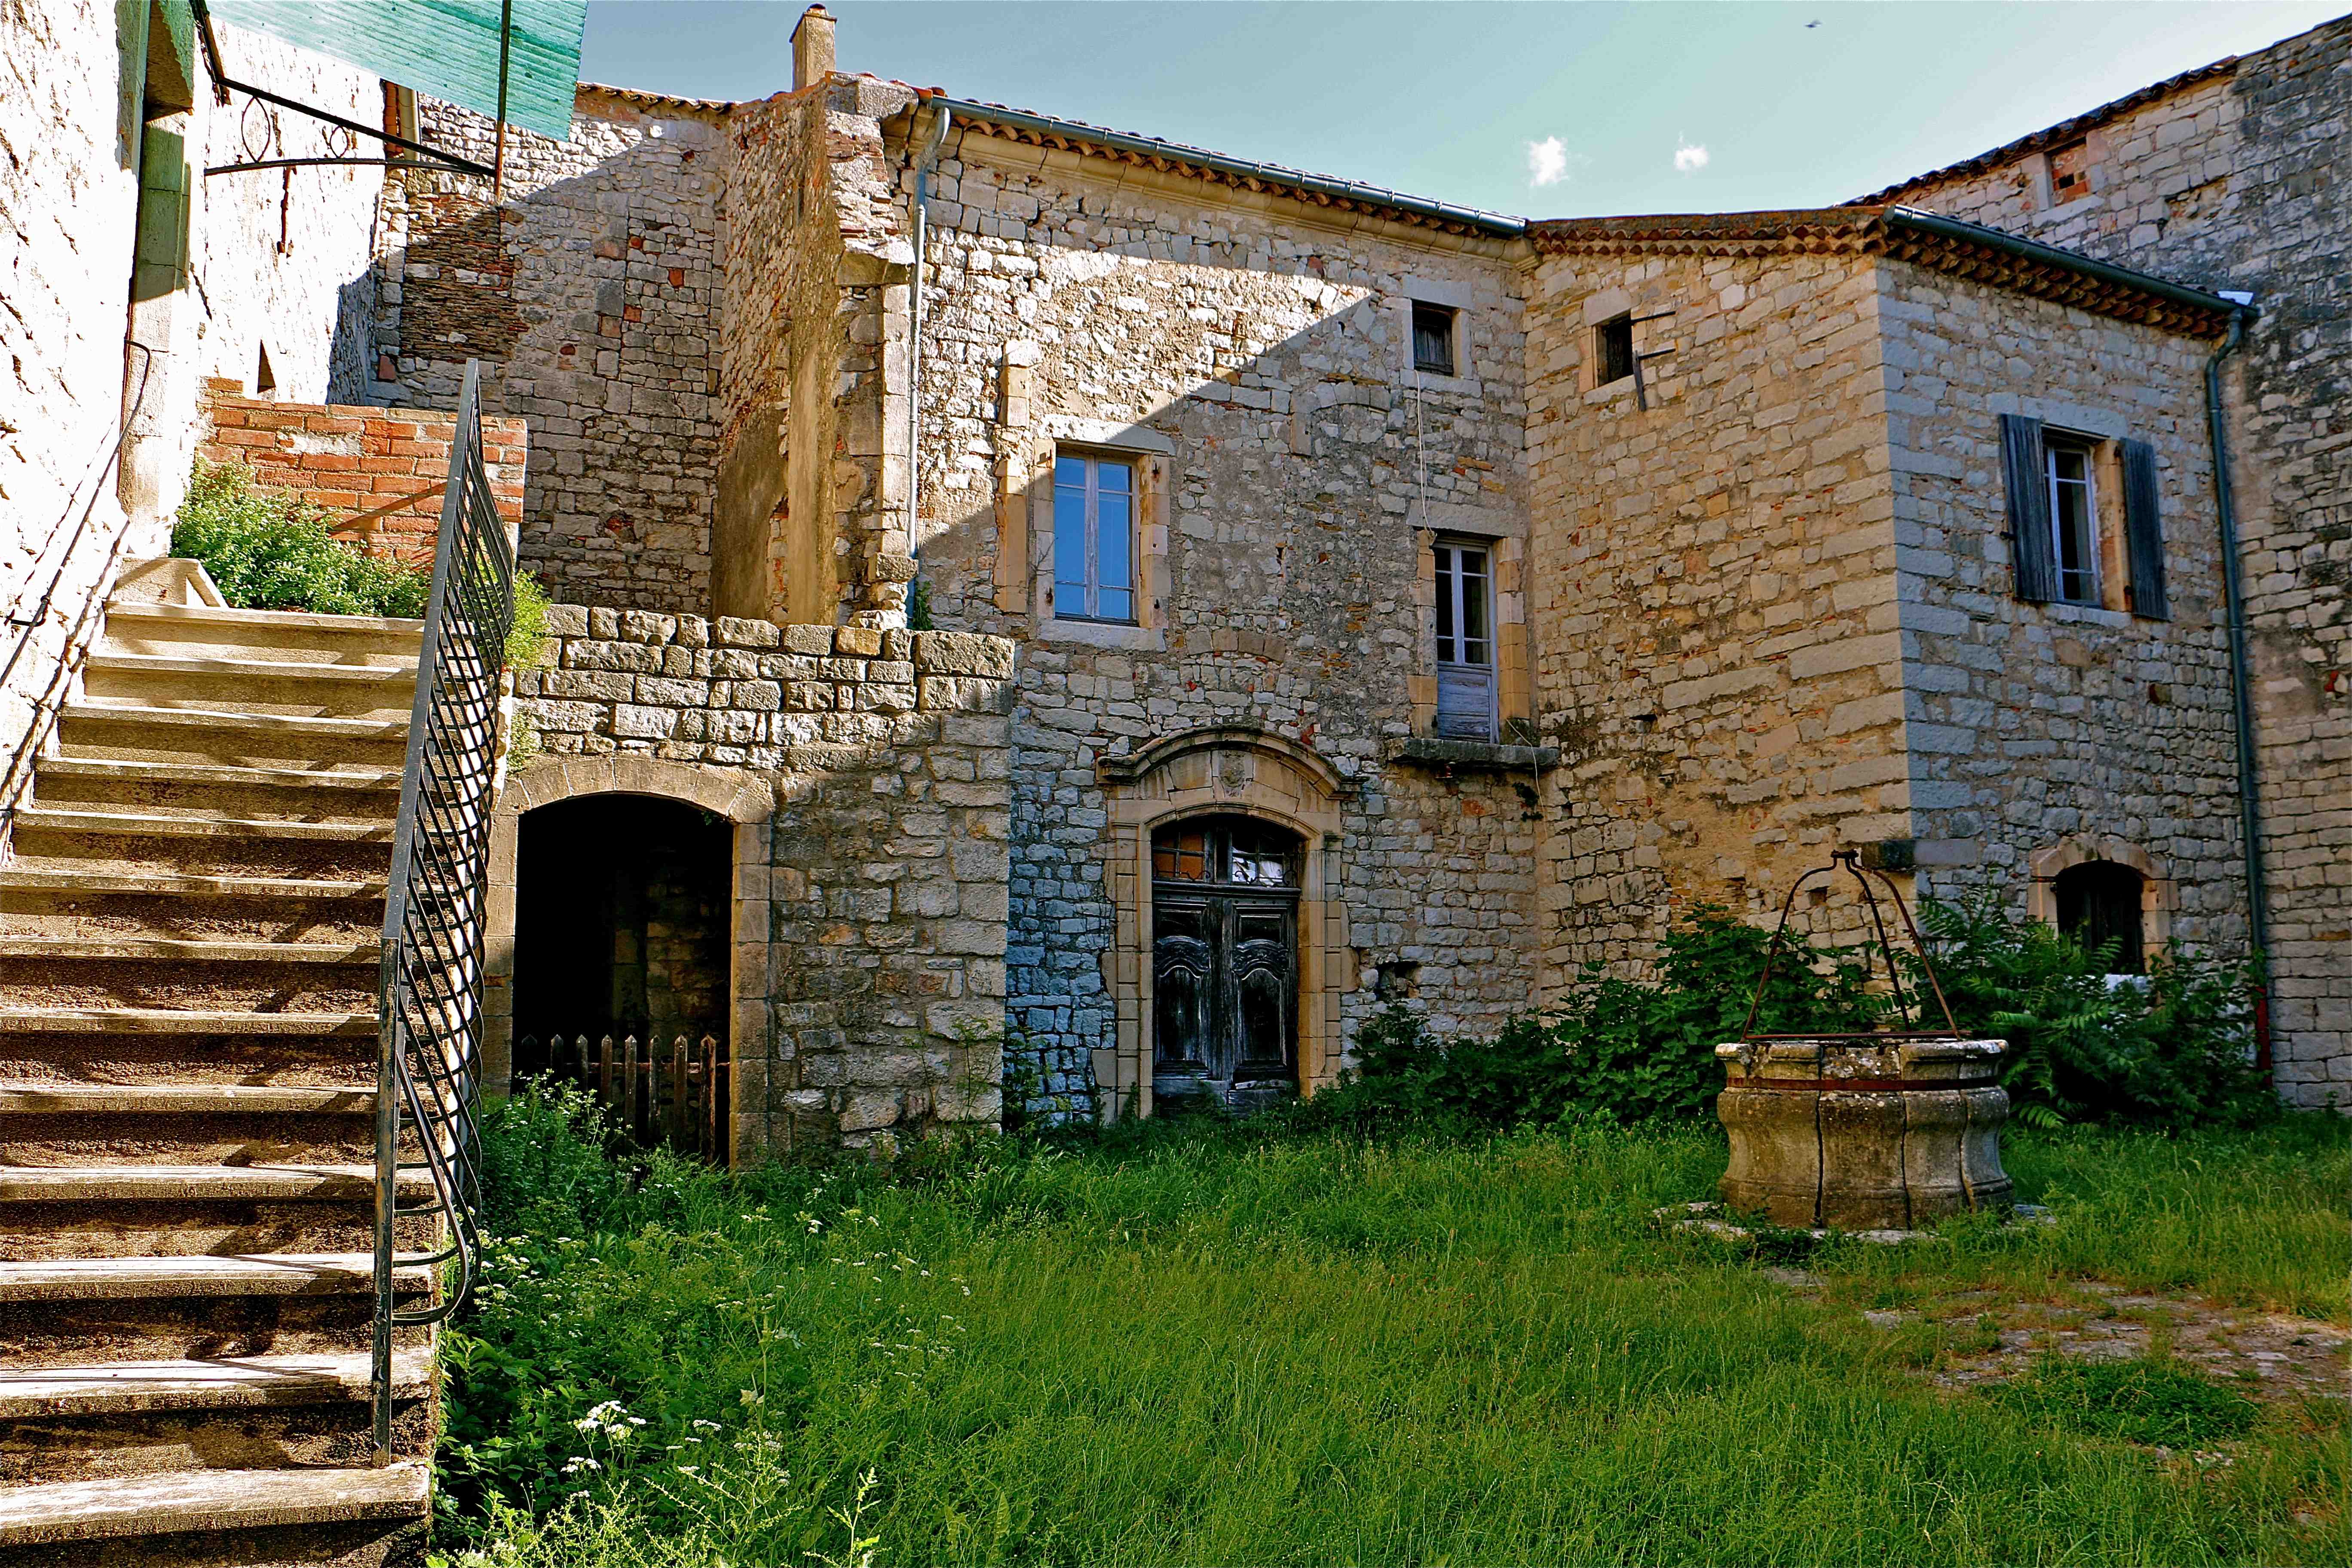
[(2074, 520), (1094, 539), (1613, 349), (1432, 339), (2069, 171)]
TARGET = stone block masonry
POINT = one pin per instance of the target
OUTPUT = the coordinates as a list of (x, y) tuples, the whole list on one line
[(2232, 177), (870, 775)]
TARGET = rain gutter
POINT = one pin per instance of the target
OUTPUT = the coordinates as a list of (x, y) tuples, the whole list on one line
[(2241, 705), (2034, 250)]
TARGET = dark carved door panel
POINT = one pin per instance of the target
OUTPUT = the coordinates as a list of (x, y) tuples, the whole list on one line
[(1224, 960)]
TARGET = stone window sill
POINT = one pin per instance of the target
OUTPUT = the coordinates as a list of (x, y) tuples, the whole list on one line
[(1103, 634), (1471, 756)]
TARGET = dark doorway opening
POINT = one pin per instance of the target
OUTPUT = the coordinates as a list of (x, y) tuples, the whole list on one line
[(621, 925), (2099, 902), (1224, 961)]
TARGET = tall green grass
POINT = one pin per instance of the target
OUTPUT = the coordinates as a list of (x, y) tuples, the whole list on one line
[(1211, 1349)]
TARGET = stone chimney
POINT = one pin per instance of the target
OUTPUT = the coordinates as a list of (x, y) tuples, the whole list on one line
[(812, 48)]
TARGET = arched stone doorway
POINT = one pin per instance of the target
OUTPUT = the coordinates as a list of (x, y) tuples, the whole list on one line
[(621, 924), (1224, 960), (2095, 886), (733, 808), (1264, 793)]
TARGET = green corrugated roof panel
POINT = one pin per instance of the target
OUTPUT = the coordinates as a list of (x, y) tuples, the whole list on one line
[(447, 49)]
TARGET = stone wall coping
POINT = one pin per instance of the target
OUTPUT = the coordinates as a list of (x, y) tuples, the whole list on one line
[(931, 653)]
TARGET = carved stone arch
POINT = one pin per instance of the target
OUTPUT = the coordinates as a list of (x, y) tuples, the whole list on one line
[(1232, 770), (744, 799), (2159, 895)]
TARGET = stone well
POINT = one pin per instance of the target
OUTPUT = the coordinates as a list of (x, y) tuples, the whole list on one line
[(1868, 1135)]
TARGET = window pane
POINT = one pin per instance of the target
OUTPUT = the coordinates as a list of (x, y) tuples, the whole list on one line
[(1473, 603), (1070, 548), (1115, 605), (1446, 589), (1070, 471), (1115, 544), (1116, 476)]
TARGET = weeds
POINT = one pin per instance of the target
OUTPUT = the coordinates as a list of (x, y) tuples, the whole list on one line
[(2149, 1401)]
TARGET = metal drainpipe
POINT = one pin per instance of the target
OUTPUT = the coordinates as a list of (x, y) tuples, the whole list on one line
[(915, 327), (2233, 591)]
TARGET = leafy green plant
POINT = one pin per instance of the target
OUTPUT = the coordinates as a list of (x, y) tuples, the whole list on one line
[(527, 638), (1632, 1050), (270, 551), (2153, 1401), (2170, 1048)]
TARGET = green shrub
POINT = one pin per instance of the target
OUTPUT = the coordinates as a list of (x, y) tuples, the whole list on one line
[(270, 551), (1632, 1050), (267, 550), (2172, 1050)]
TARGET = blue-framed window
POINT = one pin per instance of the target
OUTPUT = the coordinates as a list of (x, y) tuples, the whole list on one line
[(1094, 539)]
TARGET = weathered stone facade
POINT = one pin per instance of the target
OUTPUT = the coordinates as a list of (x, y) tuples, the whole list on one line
[(2229, 177), (868, 775), (99, 405), (1748, 596)]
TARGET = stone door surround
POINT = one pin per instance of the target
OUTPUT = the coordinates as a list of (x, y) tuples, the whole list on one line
[(1226, 770), (742, 797)]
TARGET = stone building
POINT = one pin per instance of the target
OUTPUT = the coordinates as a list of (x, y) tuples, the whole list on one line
[(1031, 595), (2228, 177)]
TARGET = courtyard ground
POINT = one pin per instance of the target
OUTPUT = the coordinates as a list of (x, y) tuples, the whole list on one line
[(1205, 1348)]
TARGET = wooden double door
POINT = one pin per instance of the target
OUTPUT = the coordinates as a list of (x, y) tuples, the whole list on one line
[(1224, 912)]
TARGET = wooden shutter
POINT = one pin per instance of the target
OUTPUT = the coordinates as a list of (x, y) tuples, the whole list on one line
[(2144, 533), (2023, 466), (160, 263), (1466, 702), (130, 19)]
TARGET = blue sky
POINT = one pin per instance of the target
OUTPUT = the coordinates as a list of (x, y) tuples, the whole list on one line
[(1654, 107)]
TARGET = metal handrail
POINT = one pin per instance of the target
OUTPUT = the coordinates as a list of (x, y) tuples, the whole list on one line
[(429, 1017)]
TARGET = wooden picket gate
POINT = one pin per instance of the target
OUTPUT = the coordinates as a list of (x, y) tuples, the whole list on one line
[(676, 1097)]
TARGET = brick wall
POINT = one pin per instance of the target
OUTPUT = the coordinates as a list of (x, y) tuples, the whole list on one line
[(352, 460)]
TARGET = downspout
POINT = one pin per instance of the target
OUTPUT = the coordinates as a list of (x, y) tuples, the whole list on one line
[(2241, 680), (922, 162)]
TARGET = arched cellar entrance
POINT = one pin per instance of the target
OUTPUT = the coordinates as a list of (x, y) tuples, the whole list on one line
[(1224, 961), (623, 905)]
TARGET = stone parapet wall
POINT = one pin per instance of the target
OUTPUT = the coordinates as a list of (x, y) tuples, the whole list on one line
[(869, 773)]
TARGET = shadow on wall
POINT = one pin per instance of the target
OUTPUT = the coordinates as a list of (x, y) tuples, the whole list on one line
[(592, 303)]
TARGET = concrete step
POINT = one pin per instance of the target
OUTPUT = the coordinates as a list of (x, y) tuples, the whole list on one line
[(138, 625), (365, 779), (175, 884), (20, 1097), (187, 1501), (167, 950), (172, 1021), (39, 818), (142, 1278), (135, 1387), (276, 688), (199, 1183), (221, 735)]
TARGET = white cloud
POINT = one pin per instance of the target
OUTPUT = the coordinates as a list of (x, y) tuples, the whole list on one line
[(1547, 161), (1689, 160)]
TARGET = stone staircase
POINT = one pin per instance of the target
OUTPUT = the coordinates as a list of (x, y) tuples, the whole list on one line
[(188, 944)]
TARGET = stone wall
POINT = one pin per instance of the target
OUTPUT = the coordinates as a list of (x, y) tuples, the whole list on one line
[(274, 261), (1253, 362), (869, 773), (2232, 179), (352, 460), (2030, 726), (1714, 589), (592, 298)]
